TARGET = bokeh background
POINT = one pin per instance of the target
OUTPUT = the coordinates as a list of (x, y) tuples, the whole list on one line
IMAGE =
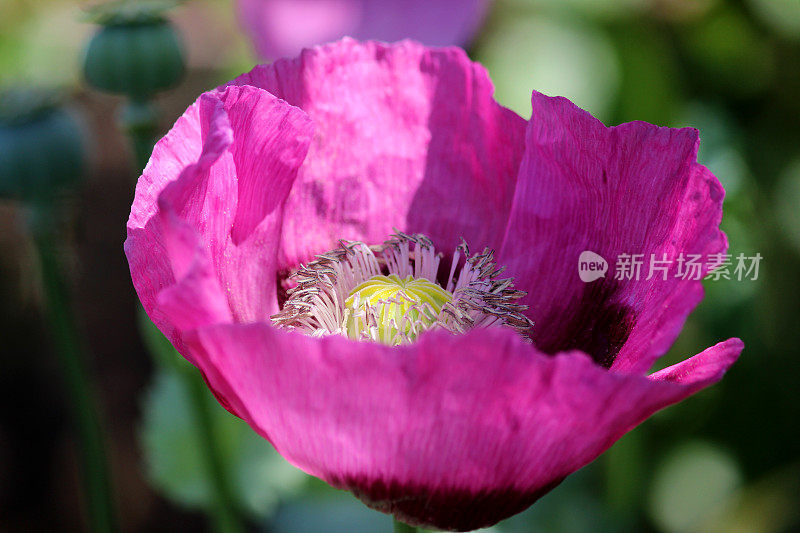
[(725, 460)]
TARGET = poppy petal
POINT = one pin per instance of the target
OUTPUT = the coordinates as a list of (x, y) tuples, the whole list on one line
[(203, 231), (453, 432), (630, 189), (407, 137)]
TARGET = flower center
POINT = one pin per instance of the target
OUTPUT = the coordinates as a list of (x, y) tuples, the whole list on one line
[(397, 308), (389, 293)]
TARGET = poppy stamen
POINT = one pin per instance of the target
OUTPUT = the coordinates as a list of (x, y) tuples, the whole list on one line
[(389, 293)]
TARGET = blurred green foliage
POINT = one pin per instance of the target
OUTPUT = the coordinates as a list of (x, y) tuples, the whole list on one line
[(173, 442), (726, 460), (260, 477)]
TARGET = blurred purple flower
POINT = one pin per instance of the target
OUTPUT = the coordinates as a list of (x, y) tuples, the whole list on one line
[(455, 430), (281, 28)]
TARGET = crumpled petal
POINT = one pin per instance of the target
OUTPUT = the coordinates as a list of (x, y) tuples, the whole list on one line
[(203, 231), (282, 28), (630, 189), (452, 432), (406, 137)]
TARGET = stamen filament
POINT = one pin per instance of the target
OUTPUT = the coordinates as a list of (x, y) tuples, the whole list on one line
[(389, 293)]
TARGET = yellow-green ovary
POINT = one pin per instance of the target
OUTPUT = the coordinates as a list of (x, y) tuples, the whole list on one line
[(394, 298)]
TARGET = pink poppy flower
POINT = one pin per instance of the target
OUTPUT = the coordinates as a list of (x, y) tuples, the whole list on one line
[(281, 28), (411, 373)]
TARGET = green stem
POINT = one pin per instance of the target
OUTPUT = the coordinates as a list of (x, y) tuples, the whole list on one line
[(224, 509), (139, 119), (400, 527), (96, 479)]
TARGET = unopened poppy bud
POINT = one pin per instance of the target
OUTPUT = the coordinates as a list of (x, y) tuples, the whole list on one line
[(41, 146), (136, 52)]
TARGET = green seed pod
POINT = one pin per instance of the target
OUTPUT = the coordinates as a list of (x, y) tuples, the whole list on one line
[(136, 52), (41, 147)]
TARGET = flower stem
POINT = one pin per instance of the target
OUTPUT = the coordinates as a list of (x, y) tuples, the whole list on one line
[(400, 527), (96, 479), (224, 509), (139, 119)]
